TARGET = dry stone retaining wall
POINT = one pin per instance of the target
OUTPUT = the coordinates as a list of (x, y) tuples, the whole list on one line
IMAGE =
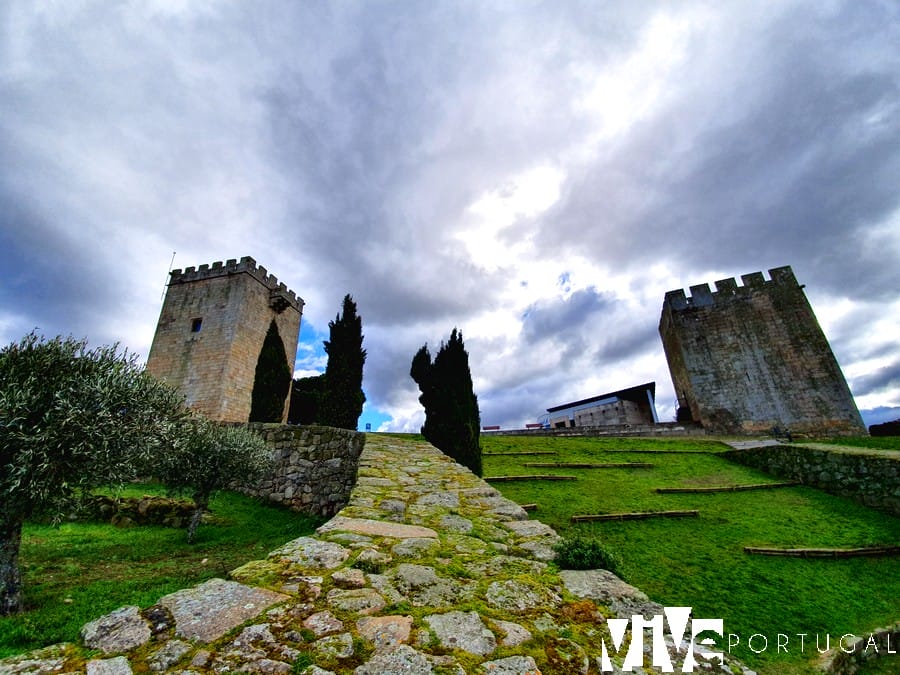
[(871, 479), (315, 467)]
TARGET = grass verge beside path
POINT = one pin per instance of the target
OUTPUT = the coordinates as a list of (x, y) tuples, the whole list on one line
[(78, 572), (700, 562)]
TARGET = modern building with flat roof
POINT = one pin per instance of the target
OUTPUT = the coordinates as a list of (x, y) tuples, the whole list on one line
[(635, 405)]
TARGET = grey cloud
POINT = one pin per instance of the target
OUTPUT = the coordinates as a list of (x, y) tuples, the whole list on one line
[(561, 317), (881, 381), (786, 160)]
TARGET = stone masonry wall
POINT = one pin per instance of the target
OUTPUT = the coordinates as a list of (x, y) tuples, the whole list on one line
[(873, 480), (215, 366), (315, 467), (747, 358)]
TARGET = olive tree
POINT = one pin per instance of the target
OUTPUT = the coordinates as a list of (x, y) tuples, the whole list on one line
[(206, 457), (72, 418)]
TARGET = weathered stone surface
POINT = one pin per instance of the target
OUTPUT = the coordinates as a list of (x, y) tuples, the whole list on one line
[(266, 667), (415, 548), (385, 631), (357, 600), (462, 630), (371, 560), (542, 550), (335, 646), (449, 500), (323, 623), (376, 528), (386, 588), (208, 611), (349, 578), (504, 565), (514, 634), (512, 665), (424, 588), (166, 657), (118, 631), (312, 553), (531, 528), (33, 663), (516, 596), (503, 508), (402, 659), (116, 666), (600, 585), (255, 634), (201, 658), (393, 507), (455, 523), (315, 670)]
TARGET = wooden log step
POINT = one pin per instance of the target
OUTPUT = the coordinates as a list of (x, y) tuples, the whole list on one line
[(728, 488), (502, 479), (635, 516), (530, 452), (668, 452), (529, 507), (575, 465), (866, 551)]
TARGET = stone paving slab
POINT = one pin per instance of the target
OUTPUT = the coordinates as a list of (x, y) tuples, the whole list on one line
[(208, 611), (378, 528)]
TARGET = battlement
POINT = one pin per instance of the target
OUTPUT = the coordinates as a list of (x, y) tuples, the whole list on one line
[(728, 289), (279, 294)]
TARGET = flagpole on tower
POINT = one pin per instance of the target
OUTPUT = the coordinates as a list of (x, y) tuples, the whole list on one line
[(166, 283)]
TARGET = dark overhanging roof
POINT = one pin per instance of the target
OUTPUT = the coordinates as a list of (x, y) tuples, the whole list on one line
[(638, 394)]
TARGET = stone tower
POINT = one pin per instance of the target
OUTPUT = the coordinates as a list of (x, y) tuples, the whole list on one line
[(211, 329), (745, 359)]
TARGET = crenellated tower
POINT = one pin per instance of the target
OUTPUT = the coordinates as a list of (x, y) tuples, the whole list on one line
[(745, 359), (211, 329)]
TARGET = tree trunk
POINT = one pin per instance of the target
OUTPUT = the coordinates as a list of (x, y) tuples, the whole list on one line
[(200, 503), (10, 575)]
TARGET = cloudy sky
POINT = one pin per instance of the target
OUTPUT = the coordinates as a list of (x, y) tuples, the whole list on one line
[(537, 174)]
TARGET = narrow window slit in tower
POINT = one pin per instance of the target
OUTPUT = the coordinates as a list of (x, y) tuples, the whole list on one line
[(195, 325)]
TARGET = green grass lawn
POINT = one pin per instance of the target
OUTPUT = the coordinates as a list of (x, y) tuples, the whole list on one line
[(80, 571), (699, 562)]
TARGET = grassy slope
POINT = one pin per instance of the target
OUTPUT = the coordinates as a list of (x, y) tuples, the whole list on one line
[(78, 572), (700, 562)]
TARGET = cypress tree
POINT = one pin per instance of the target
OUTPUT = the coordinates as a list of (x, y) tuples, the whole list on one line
[(306, 399), (452, 421), (273, 377), (343, 397)]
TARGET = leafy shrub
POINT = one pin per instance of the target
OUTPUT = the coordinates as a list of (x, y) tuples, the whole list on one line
[(583, 553)]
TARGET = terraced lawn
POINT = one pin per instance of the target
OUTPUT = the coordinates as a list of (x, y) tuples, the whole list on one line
[(700, 562)]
